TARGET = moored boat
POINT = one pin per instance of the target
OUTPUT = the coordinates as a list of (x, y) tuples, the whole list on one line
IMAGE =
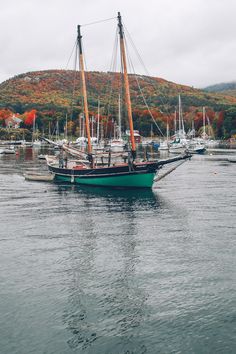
[(232, 159), (8, 150), (116, 145), (164, 146), (132, 173), (196, 147), (38, 177), (178, 146), (135, 175)]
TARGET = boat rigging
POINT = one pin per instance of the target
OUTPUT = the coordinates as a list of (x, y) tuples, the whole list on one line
[(132, 173)]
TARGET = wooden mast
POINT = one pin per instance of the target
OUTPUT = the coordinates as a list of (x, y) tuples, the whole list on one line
[(81, 64), (179, 115), (126, 81)]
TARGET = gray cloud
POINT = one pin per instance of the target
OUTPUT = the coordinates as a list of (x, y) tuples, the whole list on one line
[(186, 41)]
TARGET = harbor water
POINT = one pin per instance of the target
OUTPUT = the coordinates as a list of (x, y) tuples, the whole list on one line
[(102, 271)]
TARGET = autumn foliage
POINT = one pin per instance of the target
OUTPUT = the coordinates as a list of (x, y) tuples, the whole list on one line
[(5, 113), (47, 97), (30, 117)]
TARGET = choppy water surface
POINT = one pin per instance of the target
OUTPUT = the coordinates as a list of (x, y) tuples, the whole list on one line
[(90, 270)]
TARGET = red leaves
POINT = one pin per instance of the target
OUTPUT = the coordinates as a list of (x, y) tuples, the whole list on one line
[(5, 113), (29, 117)]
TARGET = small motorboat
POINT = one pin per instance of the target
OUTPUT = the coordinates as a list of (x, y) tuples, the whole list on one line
[(8, 151), (232, 159), (39, 177), (41, 157)]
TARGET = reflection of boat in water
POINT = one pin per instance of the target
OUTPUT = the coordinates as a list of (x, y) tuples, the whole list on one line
[(146, 195)]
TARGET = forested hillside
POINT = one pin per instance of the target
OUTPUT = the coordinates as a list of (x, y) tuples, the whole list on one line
[(55, 94), (228, 88)]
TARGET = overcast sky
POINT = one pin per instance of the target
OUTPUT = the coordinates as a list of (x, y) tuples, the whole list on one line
[(191, 42)]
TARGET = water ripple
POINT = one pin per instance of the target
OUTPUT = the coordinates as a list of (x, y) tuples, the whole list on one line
[(92, 270)]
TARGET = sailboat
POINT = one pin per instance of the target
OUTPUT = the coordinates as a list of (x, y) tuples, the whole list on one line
[(81, 141), (197, 145), (164, 145), (131, 173), (180, 143), (208, 138), (35, 142), (117, 144)]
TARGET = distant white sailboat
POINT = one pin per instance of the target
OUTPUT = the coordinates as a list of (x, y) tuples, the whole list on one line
[(117, 144), (164, 145), (179, 144), (197, 145), (35, 142)]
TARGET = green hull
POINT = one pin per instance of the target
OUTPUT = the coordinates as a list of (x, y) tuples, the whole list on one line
[(139, 180)]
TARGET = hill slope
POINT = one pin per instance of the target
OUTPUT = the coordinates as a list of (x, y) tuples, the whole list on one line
[(228, 88), (49, 93), (54, 88)]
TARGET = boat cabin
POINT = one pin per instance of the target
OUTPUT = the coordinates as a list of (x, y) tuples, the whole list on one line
[(137, 136)]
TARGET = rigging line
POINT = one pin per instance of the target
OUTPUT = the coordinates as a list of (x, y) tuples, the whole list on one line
[(136, 50), (145, 70), (95, 22), (113, 65), (111, 74), (114, 52), (142, 62), (86, 77), (141, 91), (74, 83), (74, 46)]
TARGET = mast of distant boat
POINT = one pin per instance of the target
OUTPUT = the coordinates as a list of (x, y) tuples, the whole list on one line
[(98, 121), (119, 118), (33, 134), (126, 82), (179, 115), (204, 123), (175, 125), (66, 129), (81, 61)]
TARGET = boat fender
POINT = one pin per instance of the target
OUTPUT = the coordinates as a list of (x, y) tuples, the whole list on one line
[(80, 167)]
